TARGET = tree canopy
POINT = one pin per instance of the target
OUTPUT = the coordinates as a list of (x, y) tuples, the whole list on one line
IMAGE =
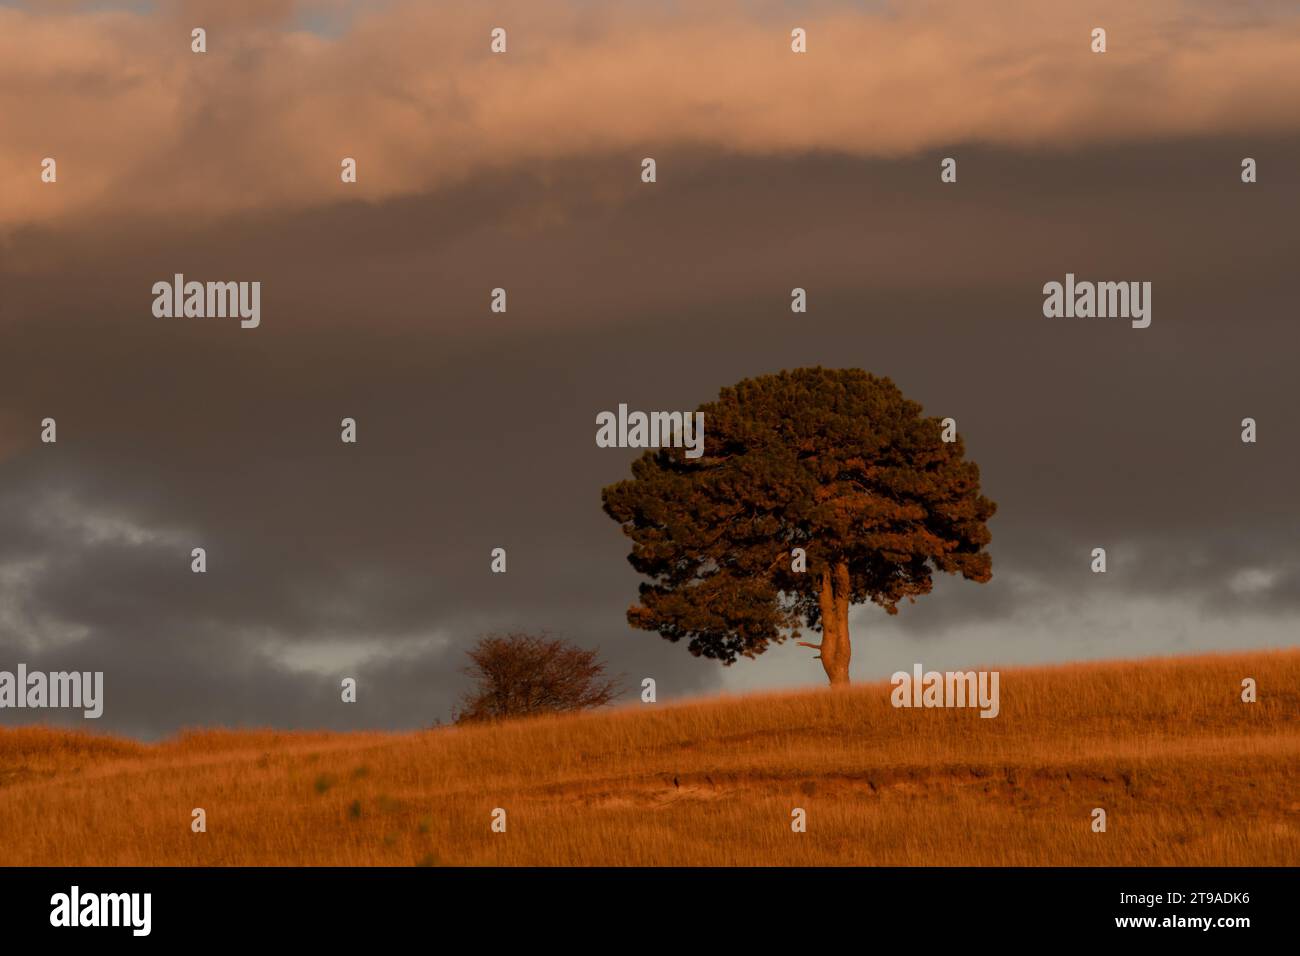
[(836, 462), (519, 675)]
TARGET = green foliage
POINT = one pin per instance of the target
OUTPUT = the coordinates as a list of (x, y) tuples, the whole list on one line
[(835, 461)]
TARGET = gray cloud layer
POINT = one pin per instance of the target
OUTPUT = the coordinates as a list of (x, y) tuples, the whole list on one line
[(476, 430)]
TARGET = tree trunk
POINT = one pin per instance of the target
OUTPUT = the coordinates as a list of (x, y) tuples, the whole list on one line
[(834, 601)]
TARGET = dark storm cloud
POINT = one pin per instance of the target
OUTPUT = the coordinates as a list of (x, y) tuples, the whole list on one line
[(476, 430)]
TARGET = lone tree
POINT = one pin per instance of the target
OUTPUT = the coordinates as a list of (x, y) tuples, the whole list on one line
[(835, 462), (518, 675)]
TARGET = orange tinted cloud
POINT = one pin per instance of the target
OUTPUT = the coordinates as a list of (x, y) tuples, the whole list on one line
[(140, 125)]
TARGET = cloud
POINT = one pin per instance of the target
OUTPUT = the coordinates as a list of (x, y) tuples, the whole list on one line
[(476, 430), (140, 125)]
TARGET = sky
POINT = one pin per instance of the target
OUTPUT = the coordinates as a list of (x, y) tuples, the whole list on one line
[(476, 430)]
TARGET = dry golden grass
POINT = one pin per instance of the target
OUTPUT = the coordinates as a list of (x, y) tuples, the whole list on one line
[(1188, 774)]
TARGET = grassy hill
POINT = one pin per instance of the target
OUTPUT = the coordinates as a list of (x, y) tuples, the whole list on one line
[(1187, 773)]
